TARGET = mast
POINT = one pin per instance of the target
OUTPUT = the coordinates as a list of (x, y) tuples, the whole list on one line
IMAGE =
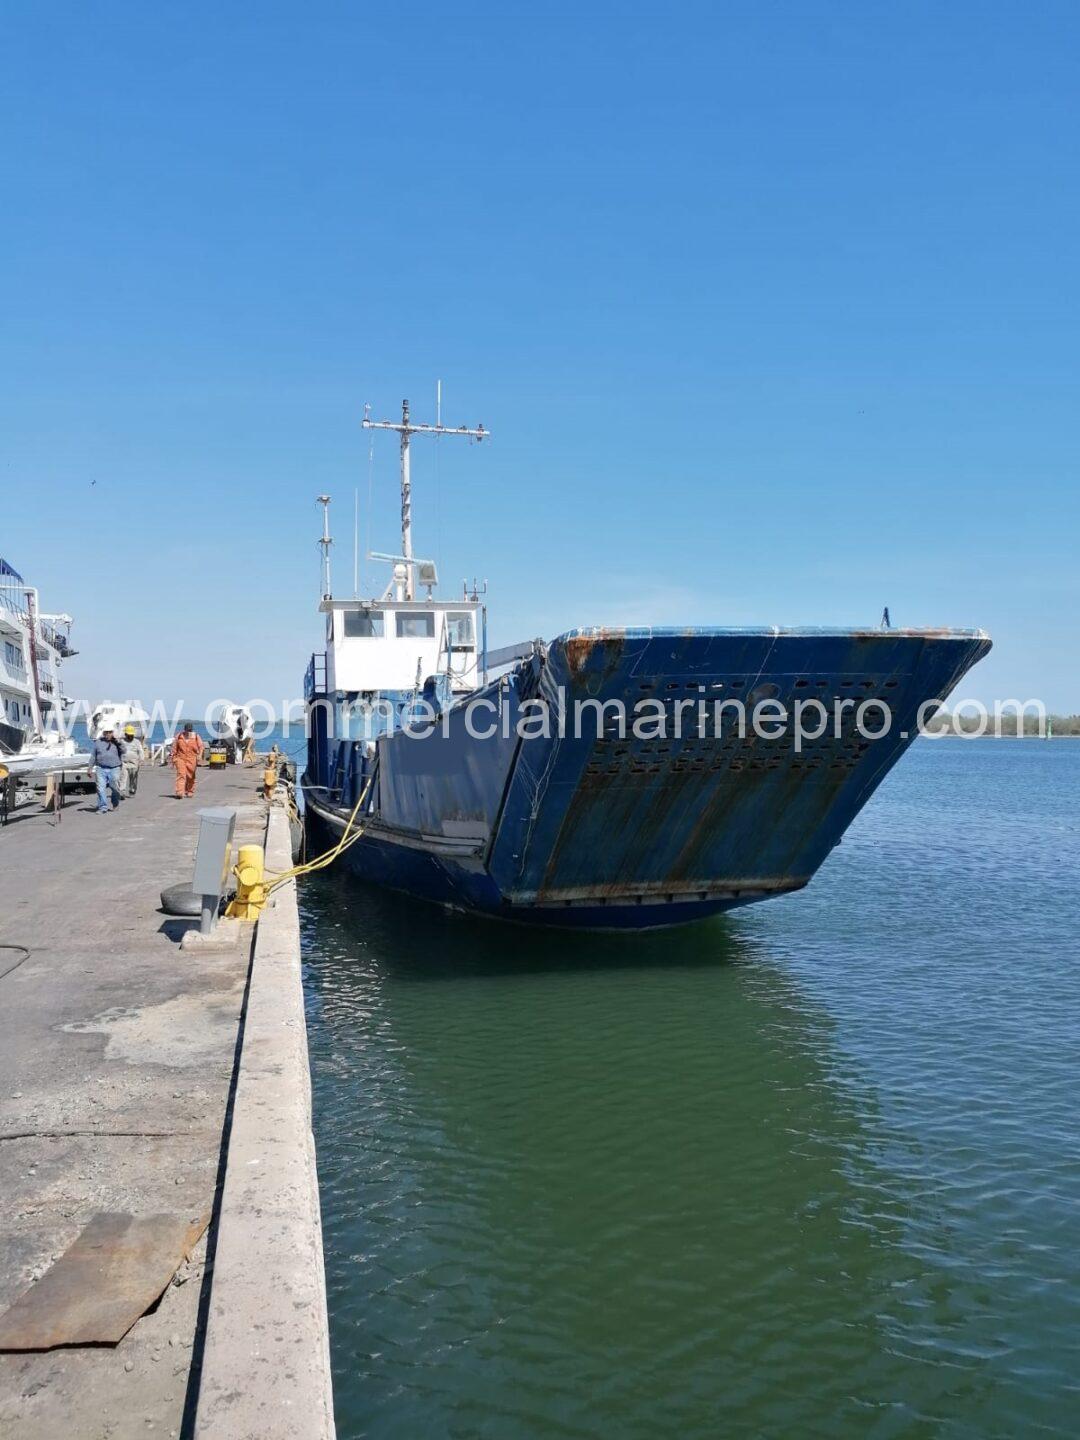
[(406, 429), (406, 501), (325, 543), (35, 669)]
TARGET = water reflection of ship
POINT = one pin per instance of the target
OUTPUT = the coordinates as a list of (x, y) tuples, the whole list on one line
[(634, 1164)]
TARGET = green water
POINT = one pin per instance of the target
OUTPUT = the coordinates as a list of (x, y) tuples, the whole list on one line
[(812, 1169)]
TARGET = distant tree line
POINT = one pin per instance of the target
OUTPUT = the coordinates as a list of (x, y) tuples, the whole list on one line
[(966, 724)]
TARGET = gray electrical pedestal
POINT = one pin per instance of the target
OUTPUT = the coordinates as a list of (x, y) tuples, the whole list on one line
[(212, 852)]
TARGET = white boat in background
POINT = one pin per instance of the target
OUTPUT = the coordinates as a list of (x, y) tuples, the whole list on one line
[(232, 722), (115, 715), (52, 756), (33, 646)]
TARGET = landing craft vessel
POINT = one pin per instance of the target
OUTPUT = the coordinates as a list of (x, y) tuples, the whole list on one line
[(482, 807)]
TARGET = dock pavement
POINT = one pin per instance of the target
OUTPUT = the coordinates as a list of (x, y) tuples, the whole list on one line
[(122, 1058)]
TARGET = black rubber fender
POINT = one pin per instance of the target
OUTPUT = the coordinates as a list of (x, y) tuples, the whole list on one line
[(182, 900)]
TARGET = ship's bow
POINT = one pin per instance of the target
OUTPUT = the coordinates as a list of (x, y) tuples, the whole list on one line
[(686, 771)]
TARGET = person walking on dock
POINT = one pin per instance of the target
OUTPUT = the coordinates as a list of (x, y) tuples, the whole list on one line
[(108, 757), (186, 753), (134, 755)]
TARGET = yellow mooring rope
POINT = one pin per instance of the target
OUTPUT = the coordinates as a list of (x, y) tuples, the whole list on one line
[(321, 861)]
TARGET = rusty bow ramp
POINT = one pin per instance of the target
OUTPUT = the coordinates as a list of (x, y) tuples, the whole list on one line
[(697, 814)]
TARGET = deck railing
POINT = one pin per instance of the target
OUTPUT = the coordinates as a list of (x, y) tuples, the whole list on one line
[(315, 677)]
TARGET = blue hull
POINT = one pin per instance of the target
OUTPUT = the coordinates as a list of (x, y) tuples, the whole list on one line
[(418, 874), (614, 832)]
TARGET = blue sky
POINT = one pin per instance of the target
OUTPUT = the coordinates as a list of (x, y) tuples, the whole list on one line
[(771, 308)]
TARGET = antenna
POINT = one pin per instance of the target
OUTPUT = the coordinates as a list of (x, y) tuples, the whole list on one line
[(325, 543), (406, 429), (356, 543), (426, 570)]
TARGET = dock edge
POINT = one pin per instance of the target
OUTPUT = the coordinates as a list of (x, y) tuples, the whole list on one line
[(266, 1362)]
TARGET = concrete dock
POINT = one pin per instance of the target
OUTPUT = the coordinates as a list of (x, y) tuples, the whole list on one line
[(141, 1078)]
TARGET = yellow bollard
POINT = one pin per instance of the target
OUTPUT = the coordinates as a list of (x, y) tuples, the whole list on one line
[(269, 781), (250, 889)]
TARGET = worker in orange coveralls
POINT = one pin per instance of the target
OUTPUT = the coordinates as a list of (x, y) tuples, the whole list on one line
[(186, 753)]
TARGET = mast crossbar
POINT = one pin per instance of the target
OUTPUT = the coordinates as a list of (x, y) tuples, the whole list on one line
[(406, 428)]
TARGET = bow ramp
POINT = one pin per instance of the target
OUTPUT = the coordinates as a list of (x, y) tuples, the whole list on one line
[(689, 805)]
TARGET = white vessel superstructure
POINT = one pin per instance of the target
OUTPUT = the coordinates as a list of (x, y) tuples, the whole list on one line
[(33, 646)]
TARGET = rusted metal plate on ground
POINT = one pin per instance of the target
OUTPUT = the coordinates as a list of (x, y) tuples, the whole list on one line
[(102, 1283)]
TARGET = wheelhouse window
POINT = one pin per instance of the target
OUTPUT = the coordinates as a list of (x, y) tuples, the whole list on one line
[(362, 623), (415, 626), (459, 631)]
